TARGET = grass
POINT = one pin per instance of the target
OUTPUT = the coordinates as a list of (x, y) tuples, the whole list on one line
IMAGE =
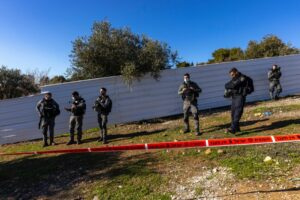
[(253, 167), (133, 183), (146, 175), (136, 179), (199, 191)]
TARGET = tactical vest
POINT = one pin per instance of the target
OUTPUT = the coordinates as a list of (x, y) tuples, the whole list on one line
[(188, 94), (79, 110), (49, 109), (101, 109), (274, 75)]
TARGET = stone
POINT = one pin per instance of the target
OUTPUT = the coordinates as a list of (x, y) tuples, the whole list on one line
[(268, 159), (215, 170), (220, 151), (207, 151)]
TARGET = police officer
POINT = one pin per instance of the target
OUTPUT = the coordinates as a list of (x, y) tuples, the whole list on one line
[(103, 106), (189, 91), (237, 87), (275, 88), (77, 111), (48, 109)]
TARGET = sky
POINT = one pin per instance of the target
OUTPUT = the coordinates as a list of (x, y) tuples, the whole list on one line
[(38, 34)]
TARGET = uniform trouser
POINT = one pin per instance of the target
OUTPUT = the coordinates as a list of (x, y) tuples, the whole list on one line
[(48, 124), (187, 108), (102, 121), (76, 122), (237, 109), (275, 89)]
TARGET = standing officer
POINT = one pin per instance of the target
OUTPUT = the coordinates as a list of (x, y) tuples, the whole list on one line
[(189, 91), (239, 86), (103, 106), (77, 110), (48, 109), (275, 88)]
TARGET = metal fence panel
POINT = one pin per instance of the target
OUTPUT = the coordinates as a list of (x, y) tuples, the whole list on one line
[(145, 99)]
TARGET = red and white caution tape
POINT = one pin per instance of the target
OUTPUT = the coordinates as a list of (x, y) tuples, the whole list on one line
[(172, 145)]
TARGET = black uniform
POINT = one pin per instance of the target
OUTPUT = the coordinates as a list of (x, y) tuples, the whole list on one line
[(48, 110), (274, 83), (76, 118), (237, 86), (190, 103), (103, 106)]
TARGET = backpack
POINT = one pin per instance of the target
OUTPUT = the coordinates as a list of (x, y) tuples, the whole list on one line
[(249, 86)]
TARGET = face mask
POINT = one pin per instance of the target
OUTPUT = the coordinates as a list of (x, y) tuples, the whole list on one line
[(186, 80), (47, 98)]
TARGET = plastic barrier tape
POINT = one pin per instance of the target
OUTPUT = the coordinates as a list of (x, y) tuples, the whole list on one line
[(172, 145)]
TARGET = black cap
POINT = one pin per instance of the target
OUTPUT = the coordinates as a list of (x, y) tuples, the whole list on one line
[(233, 70), (75, 93), (187, 74), (48, 93)]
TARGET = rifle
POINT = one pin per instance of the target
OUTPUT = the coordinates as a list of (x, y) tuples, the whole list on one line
[(97, 105), (69, 109), (40, 122)]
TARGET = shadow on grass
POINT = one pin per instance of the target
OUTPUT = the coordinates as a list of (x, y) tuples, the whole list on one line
[(224, 126), (33, 177), (136, 134), (118, 137), (273, 126)]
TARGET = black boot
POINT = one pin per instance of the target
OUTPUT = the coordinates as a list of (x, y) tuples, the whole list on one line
[(186, 130), (52, 143), (101, 136), (230, 130), (45, 139), (45, 144), (272, 96), (79, 142), (71, 142), (104, 137), (198, 132)]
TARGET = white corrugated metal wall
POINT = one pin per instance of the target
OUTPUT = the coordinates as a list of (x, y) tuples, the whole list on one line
[(146, 99)]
